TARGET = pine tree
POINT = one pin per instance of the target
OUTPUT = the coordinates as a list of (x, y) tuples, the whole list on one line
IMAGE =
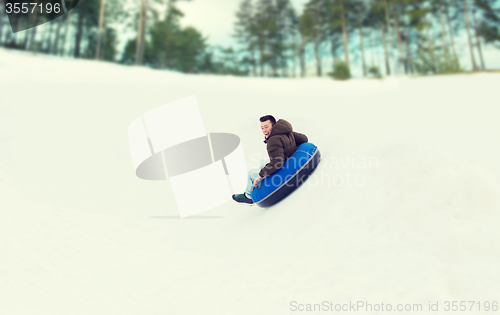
[(285, 23), (469, 39), (99, 30), (306, 29), (265, 31), (396, 9), (377, 21), (361, 21), (450, 29), (245, 31), (315, 13), (333, 26), (489, 26)]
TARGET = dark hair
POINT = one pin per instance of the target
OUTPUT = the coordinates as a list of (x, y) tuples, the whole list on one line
[(268, 117)]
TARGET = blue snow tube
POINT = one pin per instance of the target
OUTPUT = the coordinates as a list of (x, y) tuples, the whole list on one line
[(294, 172)]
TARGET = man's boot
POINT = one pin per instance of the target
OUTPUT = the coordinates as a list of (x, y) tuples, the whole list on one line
[(242, 198)]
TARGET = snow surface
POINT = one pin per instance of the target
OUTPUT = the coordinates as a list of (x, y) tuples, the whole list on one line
[(81, 234)]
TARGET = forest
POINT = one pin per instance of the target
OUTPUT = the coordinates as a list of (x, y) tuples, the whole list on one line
[(273, 39)]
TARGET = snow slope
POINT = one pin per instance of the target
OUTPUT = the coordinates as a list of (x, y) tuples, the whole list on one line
[(404, 207)]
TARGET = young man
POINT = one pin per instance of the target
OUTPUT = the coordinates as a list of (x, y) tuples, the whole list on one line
[(281, 143)]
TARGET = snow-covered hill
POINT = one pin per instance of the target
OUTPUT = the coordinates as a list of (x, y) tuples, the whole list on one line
[(403, 209)]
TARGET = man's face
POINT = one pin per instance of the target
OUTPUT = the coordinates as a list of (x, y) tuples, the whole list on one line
[(266, 127)]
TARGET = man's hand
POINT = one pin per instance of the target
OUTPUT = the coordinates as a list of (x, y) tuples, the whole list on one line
[(258, 179)]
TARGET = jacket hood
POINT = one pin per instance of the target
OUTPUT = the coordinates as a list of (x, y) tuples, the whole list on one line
[(280, 127)]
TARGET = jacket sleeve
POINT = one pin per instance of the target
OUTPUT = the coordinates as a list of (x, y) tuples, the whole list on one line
[(299, 138), (276, 153)]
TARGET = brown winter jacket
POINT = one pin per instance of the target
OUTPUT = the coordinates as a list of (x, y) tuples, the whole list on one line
[(281, 144)]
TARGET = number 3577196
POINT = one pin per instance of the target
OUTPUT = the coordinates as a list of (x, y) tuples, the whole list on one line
[(30, 8)]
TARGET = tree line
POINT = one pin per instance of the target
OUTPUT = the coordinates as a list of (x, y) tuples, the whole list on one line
[(273, 39), (415, 36)]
